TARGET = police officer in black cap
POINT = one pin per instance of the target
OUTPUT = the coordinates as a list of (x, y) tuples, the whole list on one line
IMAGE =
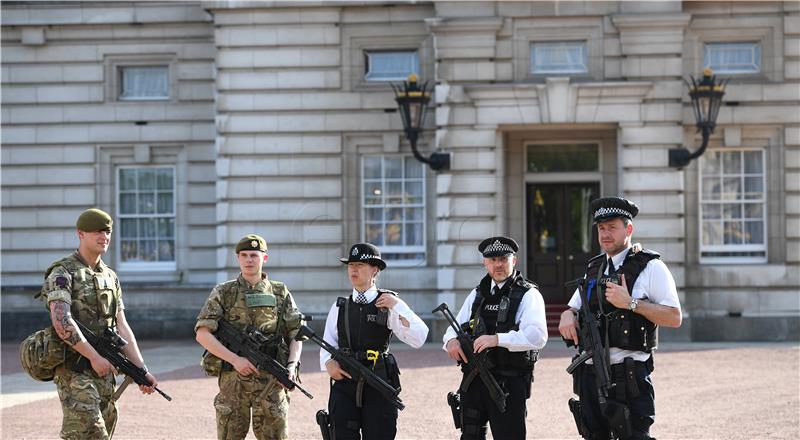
[(505, 314), (361, 325), (629, 313)]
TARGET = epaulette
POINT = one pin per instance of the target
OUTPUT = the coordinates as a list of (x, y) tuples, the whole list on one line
[(522, 282), (651, 253), (341, 301), (279, 286), (391, 292)]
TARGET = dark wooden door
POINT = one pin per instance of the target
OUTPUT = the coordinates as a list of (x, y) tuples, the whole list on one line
[(560, 236)]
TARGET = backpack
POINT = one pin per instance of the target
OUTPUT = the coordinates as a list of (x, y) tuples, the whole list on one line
[(41, 352)]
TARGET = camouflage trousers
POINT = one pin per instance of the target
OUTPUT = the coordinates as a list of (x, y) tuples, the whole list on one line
[(86, 404), (238, 394)]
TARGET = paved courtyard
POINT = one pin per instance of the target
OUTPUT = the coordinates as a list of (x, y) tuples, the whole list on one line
[(703, 391)]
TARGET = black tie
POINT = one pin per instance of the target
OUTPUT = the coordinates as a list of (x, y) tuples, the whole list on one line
[(611, 268), (495, 290)]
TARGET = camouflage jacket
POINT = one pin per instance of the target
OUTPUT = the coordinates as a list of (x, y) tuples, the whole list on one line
[(268, 306), (94, 296)]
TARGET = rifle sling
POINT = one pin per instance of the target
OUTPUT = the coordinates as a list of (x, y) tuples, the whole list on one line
[(360, 392), (347, 322), (467, 380), (605, 330)]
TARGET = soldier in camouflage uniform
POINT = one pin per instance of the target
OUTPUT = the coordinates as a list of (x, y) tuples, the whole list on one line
[(250, 299), (80, 287)]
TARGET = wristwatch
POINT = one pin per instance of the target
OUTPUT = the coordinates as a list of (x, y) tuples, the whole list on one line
[(633, 305)]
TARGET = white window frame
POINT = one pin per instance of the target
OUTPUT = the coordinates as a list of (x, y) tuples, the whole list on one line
[(755, 49), (582, 45), (142, 266), (733, 248), (368, 54), (403, 249), (120, 71), (113, 75)]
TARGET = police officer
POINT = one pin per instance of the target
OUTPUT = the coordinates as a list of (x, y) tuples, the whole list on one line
[(505, 314), (361, 325), (80, 287), (631, 311), (250, 299)]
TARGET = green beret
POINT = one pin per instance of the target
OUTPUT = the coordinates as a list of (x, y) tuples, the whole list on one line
[(251, 242), (93, 220)]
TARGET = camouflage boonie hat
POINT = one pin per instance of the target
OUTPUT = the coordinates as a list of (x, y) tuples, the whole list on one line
[(93, 220), (251, 242)]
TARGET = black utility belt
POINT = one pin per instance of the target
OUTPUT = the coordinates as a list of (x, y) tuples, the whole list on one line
[(618, 370), (364, 356)]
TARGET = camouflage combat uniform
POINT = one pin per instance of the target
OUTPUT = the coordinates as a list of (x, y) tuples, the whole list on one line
[(95, 298), (273, 312)]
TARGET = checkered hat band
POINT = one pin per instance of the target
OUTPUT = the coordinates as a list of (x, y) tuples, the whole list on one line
[(606, 211), (368, 257), (498, 246)]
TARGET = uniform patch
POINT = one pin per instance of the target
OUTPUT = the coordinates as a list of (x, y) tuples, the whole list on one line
[(260, 300), (61, 282)]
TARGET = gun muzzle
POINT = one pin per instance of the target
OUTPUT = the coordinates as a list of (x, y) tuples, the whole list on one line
[(442, 307)]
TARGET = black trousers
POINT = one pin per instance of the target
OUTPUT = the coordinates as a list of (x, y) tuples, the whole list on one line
[(641, 406), (375, 420), (477, 408)]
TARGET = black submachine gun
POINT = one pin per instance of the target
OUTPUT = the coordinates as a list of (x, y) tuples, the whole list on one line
[(478, 364), (109, 345), (358, 371), (616, 413), (250, 344)]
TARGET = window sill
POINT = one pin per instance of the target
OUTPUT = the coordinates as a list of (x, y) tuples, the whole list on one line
[(148, 276)]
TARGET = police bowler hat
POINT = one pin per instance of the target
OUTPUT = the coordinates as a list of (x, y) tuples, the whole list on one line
[(365, 253)]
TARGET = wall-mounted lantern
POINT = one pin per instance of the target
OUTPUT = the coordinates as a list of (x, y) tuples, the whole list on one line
[(706, 99), (412, 101)]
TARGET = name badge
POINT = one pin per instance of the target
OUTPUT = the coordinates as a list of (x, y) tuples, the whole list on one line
[(260, 300)]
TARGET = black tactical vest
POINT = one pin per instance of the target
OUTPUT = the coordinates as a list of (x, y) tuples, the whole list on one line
[(626, 330), (492, 314), (363, 327)]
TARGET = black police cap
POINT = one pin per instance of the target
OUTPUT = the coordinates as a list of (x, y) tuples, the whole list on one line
[(498, 247), (608, 208)]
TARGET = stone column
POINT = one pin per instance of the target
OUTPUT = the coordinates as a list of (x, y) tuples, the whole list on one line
[(651, 45)]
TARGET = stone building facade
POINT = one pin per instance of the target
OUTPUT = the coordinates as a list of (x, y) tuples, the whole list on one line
[(196, 123)]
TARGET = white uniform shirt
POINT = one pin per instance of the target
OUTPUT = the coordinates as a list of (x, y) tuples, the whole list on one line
[(654, 284), (413, 335), (532, 333)]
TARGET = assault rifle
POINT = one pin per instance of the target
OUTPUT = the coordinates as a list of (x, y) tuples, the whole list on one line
[(250, 344), (478, 364), (109, 345), (616, 413), (358, 371)]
